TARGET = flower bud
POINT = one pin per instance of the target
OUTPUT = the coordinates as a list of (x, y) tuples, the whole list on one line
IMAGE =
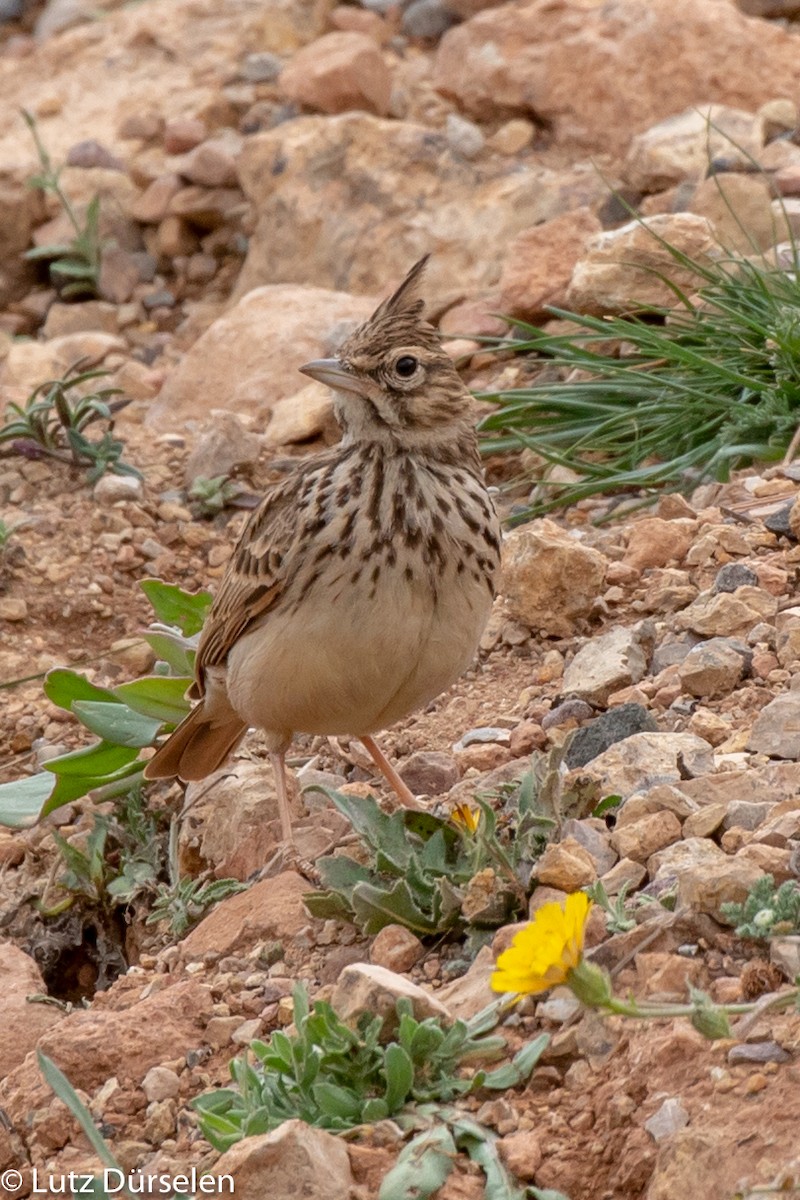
[(711, 1021), (590, 984)]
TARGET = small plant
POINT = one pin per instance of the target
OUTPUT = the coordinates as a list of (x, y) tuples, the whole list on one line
[(768, 911), (183, 902), (53, 423), (432, 873), (208, 497), (75, 265), (689, 393), (120, 859), (615, 910), (335, 1077), (126, 718)]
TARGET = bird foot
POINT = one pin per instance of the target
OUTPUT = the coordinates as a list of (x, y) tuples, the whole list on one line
[(288, 858)]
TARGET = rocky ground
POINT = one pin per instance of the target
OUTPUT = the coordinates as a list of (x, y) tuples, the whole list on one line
[(265, 173)]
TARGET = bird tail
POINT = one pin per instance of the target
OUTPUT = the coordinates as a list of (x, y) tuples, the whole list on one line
[(200, 744)]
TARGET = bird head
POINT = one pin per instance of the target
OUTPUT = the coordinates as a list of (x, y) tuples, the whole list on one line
[(393, 381)]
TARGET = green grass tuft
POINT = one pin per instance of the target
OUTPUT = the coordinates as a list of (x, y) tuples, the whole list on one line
[(691, 392)]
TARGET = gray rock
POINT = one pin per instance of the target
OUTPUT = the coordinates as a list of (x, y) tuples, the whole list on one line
[(732, 576), (425, 19), (744, 814), (463, 136), (758, 1052), (224, 445), (667, 1120), (714, 667), (261, 67), (776, 730), (11, 10), (778, 522), (593, 841), (670, 653), (430, 772), (605, 664), (568, 710), (610, 727), (483, 734)]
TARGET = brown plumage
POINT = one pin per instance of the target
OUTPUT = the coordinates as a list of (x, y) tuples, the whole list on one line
[(359, 588)]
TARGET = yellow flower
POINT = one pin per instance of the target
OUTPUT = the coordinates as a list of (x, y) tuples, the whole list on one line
[(466, 818), (544, 953)]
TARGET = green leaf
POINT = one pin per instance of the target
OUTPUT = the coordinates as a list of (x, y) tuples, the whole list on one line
[(63, 687), (22, 799), (174, 649), (337, 1102), (422, 1167), (607, 804), (174, 606), (158, 696), (72, 787), (100, 760), (327, 906), (341, 874), (376, 907), (399, 1076), (116, 722)]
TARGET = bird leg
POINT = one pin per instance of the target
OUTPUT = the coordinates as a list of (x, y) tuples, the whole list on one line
[(403, 793), (291, 855)]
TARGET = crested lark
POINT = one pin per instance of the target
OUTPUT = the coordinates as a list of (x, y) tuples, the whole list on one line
[(359, 589)]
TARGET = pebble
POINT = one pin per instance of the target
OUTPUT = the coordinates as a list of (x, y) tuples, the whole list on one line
[(430, 773), (396, 948), (610, 727), (668, 1119), (758, 1052), (513, 136), (776, 730), (732, 576), (482, 735), (160, 1083), (261, 67), (464, 137), (424, 18), (110, 488), (13, 608)]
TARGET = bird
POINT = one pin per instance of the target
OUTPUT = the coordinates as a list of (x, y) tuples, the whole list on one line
[(360, 586)]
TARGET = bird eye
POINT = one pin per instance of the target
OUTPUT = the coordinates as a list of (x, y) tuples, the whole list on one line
[(406, 366)]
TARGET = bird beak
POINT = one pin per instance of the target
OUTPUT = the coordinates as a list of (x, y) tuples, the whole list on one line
[(333, 372)]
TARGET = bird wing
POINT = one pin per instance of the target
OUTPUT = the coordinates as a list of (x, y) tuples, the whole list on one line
[(255, 578)]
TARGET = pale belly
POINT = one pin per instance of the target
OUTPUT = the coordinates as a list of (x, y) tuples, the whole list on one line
[(356, 664)]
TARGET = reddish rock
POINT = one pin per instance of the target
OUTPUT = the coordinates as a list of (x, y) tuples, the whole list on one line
[(93, 1045), (21, 1023), (540, 262), (232, 366), (269, 911), (628, 268), (396, 948), (338, 72), (653, 542), (533, 57), (294, 1160), (153, 204), (183, 134)]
